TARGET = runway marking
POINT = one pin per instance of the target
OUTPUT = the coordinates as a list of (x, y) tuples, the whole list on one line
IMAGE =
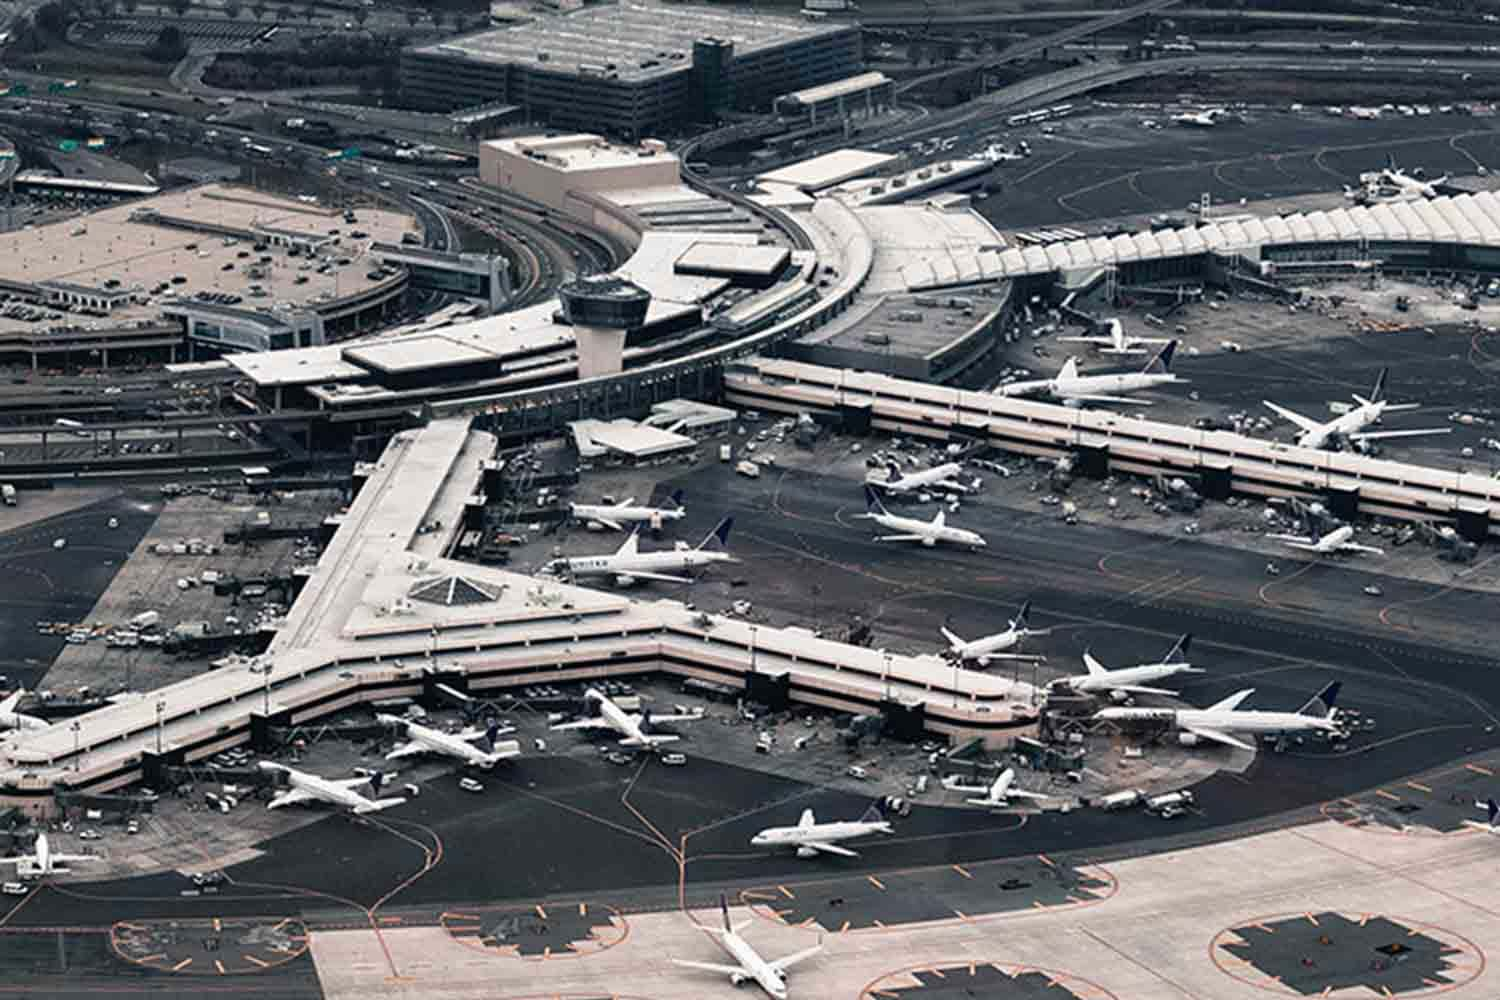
[(844, 929), (753, 894), (1312, 919), (1387, 795), (1480, 770), (219, 965), (962, 915), (939, 973), (877, 923), (463, 916), (786, 892), (1364, 919), (1045, 860), (390, 920), (217, 925), (876, 882), (1268, 930), (583, 909), (541, 912), (153, 958), (256, 961), (1418, 786), (960, 869), (279, 924), (182, 964)]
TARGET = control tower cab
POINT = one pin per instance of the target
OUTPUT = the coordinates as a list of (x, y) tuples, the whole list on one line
[(603, 309)]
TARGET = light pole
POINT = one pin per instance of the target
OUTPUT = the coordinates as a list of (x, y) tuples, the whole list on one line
[(161, 706), (753, 630), (77, 728), (887, 676)]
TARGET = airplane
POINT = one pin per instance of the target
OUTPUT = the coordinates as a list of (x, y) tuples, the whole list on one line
[(12, 719), (44, 861), (341, 792), (997, 794), (1124, 681), (1349, 428), (628, 564), (616, 516), (992, 647), (1391, 183), (997, 153), (1115, 340), (1333, 543), (1072, 389), (749, 966), (809, 836), (911, 529), (942, 477), (1207, 118), (425, 739), (1489, 826), (630, 726), (1216, 722)]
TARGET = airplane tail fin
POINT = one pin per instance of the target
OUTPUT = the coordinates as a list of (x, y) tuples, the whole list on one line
[(1321, 705), (872, 814), (720, 532), (1023, 617), (490, 732), (1179, 652), (677, 499), (872, 501), (1379, 391), (1492, 809), (1069, 369), (954, 641), (380, 805), (724, 909), (1095, 667), (377, 780), (1161, 362)]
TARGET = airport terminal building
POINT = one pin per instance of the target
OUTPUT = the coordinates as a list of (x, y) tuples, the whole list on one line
[(634, 68)]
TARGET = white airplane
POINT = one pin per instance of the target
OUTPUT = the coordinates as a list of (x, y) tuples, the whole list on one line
[(810, 837), (911, 529), (1493, 810), (629, 564), (943, 477), (1349, 428), (12, 719), (1391, 183), (617, 515), (425, 739), (1115, 340), (749, 966), (997, 153), (1216, 722), (343, 792), (993, 647), (1072, 389), (629, 725), (1125, 681), (44, 861), (1207, 118), (997, 794), (1333, 543)]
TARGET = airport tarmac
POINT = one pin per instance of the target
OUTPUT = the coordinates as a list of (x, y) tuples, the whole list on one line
[(1102, 165)]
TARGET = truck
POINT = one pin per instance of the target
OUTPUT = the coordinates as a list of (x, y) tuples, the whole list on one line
[(8, 494), (145, 620), (829, 6), (725, 453), (1120, 800), (748, 469)]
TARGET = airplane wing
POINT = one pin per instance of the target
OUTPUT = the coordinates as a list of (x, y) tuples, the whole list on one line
[(899, 538), (723, 970), (291, 797), (404, 750), (608, 523), (1473, 824), (65, 858), (353, 784), (1218, 737), (1142, 689), (582, 724), (19, 859), (678, 717), (831, 849), (782, 964), (1089, 397), (1415, 432), (1085, 340), (1021, 793), (1302, 422), (12, 700), (1232, 702), (642, 575), (1373, 550)]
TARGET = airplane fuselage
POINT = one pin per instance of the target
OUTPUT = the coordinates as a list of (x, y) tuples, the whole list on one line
[(625, 515), (683, 561), (819, 833), (930, 534), (1343, 426), (997, 643), (1068, 389), (1249, 721), (15, 720), (943, 477), (766, 977), (1143, 674), (437, 741)]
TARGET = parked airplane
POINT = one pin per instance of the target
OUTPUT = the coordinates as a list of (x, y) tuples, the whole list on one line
[(44, 861), (1072, 389), (632, 727), (809, 836), (1115, 340), (1198, 119), (1493, 810), (1216, 722), (997, 794), (1391, 183), (1124, 681), (749, 966), (993, 647), (12, 719), (425, 739), (911, 529), (617, 515), (629, 564), (1333, 543), (1349, 428), (341, 792), (940, 478)]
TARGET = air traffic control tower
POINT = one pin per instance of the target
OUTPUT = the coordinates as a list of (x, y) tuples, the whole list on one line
[(603, 310)]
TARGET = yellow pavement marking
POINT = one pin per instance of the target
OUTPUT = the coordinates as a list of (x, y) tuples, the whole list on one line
[(875, 882), (282, 923), (787, 892), (961, 870), (219, 965), (217, 926), (1268, 930), (153, 958), (961, 914), (182, 965), (541, 912), (1418, 786), (464, 916), (1479, 770), (1387, 795), (1045, 860), (1364, 919), (583, 909), (1312, 919), (844, 928), (256, 961), (938, 973)]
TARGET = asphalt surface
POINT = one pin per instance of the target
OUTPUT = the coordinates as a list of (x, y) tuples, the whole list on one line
[(1105, 164)]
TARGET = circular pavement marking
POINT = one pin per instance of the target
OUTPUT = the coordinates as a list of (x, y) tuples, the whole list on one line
[(537, 932), (209, 947), (991, 980)]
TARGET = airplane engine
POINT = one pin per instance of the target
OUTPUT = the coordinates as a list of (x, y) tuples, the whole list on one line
[(738, 979), (1188, 739), (1121, 698), (929, 542), (806, 852), (624, 581), (1073, 404)]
